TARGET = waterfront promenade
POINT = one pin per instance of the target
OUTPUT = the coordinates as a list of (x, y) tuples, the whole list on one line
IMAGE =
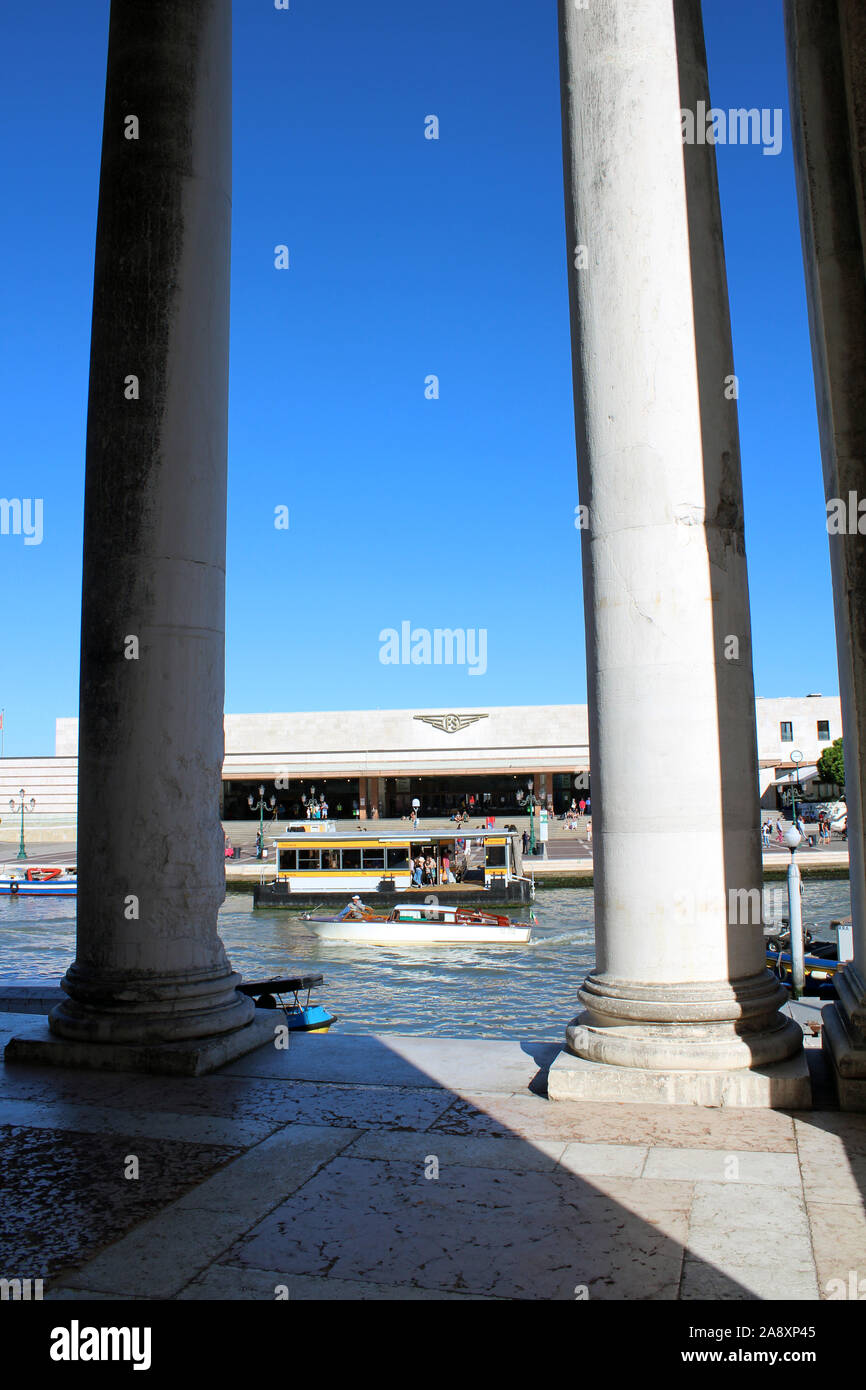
[(362, 1168), (568, 858)]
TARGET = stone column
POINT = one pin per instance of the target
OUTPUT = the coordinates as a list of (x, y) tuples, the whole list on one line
[(827, 77), (680, 986), (150, 968)]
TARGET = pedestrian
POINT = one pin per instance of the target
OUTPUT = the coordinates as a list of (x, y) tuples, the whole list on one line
[(526, 842)]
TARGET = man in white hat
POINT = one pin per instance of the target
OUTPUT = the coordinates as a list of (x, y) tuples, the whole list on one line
[(356, 910)]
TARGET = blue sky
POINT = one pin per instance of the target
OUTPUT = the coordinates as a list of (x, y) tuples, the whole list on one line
[(409, 257)]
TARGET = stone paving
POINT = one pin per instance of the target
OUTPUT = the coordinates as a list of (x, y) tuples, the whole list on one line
[(393, 1167)]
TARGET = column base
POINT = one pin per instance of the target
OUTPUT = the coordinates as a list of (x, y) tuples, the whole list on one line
[(844, 1042), (149, 1010), (687, 1047), (780, 1086), (715, 1026), (194, 1057)]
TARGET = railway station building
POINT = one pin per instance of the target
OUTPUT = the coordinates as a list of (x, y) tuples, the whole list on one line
[(374, 763)]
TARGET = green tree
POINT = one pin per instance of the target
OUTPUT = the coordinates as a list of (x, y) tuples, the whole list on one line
[(831, 764)]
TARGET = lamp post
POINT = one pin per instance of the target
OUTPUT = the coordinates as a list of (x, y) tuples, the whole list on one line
[(22, 853), (796, 759), (792, 839), (260, 807), (530, 800)]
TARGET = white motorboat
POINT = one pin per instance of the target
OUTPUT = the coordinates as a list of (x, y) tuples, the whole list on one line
[(430, 925)]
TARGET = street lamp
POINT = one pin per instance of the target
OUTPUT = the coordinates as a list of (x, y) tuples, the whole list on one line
[(796, 759), (260, 807), (530, 801), (22, 853), (792, 839)]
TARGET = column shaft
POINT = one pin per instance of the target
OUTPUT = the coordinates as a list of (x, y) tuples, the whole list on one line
[(680, 978), (827, 77), (150, 966)]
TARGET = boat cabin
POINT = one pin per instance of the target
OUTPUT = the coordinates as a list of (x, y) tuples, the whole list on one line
[(353, 863)]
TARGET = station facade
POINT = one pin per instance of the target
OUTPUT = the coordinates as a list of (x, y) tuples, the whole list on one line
[(375, 763)]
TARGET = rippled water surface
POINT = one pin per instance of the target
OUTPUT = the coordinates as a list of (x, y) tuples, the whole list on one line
[(489, 991)]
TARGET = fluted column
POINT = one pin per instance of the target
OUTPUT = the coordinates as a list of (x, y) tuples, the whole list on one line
[(150, 967), (680, 981), (827, 77)]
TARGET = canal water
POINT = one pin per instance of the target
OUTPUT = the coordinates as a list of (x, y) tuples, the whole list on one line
[(525, 991)]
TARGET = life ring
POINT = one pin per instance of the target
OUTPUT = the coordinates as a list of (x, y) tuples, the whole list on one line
[(13, 885)]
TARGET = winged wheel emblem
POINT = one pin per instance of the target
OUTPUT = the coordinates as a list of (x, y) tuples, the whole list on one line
[(451, 723)]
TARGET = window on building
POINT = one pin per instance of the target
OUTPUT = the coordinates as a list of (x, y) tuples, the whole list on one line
[(309, 859), (398, 857), (374, 858), (787, 731), (823, 731), (496, 856), (351, 859), (288, 860)]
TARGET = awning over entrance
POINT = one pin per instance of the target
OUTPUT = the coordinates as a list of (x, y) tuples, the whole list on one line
[(806, 774)]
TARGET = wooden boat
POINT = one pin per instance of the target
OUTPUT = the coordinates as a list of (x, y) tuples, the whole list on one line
[(422, 924), (40, 883), (302, 1018)]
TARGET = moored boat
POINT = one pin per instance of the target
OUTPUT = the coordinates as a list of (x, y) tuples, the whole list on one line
[(820, 960), (300, 1017), (422, 924), (40, 883)]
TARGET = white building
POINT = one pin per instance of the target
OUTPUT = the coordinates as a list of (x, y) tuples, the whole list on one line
[(360, 759)]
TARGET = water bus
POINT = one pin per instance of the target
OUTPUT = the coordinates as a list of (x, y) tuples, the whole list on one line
[(465, 867), (405, 926)]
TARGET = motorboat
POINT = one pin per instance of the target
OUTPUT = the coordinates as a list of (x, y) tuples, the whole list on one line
[(40, 883), (820, 961), (427, 924)]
